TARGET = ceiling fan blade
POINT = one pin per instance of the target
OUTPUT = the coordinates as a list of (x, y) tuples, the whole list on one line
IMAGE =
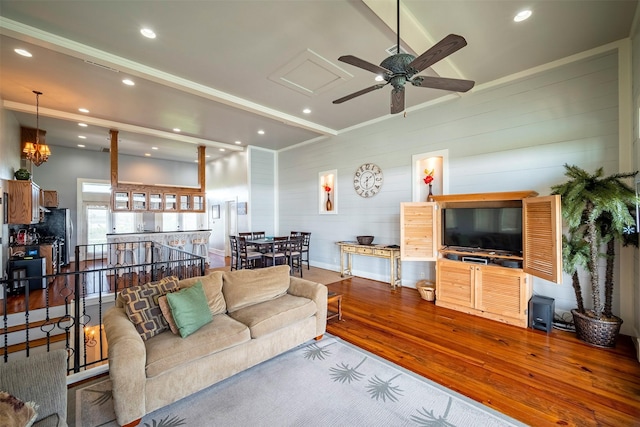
[(456, 85), (358, 93), (397, 100), (361, 63), (440, 50)]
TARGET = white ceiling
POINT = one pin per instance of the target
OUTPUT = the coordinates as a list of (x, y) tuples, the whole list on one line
[(222, 70)]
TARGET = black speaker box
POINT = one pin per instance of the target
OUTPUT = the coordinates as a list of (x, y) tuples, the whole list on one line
[(541, 310)]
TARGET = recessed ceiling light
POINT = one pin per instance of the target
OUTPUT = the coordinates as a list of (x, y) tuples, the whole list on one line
[(128, 82), (147, 154), (82, 137), (154, 148), (379, 78), (306, 111), (238, 142), (83, 110), (81, 145), (521, 16), (83, 125), (23, 52), (177, 130), (222, 149), (208, 156), (148, 33), (260, 132)]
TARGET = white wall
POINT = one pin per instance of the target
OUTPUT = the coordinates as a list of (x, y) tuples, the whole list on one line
[(227, 180), (515, 136)]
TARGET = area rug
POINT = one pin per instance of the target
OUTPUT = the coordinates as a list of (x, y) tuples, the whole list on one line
[(329, 382)]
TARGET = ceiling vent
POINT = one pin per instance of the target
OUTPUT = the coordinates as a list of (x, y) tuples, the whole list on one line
[(105, 150), (104, 67)]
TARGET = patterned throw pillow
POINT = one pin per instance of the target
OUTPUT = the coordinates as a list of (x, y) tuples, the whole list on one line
[(141, 305), (16, 413), (166, 312)]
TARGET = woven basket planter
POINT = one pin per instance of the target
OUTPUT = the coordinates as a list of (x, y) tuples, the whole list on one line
[(599, 333)]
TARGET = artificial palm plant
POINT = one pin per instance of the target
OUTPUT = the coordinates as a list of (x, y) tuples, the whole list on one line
[(597, 210)]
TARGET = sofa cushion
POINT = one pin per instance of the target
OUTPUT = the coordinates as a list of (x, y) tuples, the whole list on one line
[(189, 309), (242, 288), (212, 286), (166, 351), (141, 305), (269, 316)]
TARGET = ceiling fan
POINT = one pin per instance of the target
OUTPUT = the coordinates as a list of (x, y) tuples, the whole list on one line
[(401, 68)]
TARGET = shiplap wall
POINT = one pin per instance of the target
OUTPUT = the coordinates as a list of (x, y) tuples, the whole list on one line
[(516, 136), (636, 152)]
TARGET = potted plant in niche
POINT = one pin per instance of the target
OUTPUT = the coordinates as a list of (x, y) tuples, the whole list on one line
[(598, 213)]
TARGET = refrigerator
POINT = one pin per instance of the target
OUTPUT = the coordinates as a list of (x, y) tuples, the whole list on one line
[(57, 223)]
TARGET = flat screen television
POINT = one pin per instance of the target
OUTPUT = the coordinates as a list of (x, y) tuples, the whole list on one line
[(487, 229)]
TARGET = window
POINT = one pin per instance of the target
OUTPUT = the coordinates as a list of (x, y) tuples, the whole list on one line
[(124, 222)]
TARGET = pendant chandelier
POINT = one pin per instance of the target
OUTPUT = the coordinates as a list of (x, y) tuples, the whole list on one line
[(34, 151)]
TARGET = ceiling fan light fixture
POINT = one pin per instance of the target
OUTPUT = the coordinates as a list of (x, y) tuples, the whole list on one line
[(400, 68), (522, 15)]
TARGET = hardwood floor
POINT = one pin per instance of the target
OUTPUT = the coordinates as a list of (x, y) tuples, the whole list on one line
[(540, 379)]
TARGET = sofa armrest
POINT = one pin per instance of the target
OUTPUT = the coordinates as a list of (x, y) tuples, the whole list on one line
[(40, 378), (316, 292), (127, 366)]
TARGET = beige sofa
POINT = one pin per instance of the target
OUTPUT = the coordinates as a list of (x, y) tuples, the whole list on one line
[(257, 314)]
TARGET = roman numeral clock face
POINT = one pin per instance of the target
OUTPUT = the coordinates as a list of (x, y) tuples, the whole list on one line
[(367, 181)]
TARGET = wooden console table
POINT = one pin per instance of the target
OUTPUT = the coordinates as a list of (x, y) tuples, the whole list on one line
[(379, 251)]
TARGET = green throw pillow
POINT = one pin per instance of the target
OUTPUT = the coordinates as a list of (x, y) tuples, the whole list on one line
[(189, 309)]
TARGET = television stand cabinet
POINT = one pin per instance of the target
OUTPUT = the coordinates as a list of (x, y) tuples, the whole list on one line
[(492, 284)]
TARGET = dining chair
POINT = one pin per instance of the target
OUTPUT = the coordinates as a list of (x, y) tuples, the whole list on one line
[(276, 254), (294, 254), (294, 234), (248, 235), (233, 241), (247, 258), (306, 240), (259, 234)]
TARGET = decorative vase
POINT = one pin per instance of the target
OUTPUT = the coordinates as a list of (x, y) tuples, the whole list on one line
[(329, 205), (22, 174), (430, 195)]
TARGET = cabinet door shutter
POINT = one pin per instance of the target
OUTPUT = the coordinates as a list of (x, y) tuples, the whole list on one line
[(418, 231), (542, 237)]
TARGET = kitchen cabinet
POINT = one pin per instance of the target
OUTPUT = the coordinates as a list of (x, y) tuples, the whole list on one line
[(139, 201), (121, 201), (50, 198), (24, 202)]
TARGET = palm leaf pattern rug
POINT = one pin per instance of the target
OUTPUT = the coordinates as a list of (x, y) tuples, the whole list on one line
[(329, 382)]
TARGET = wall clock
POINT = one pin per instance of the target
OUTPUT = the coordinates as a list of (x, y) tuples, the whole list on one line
[(367, 181)]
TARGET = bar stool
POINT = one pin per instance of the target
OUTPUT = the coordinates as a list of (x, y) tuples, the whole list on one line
[(201, 247), (176, 244), (124, 249)]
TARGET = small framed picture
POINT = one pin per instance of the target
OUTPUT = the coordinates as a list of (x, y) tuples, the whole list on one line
[(242, 208), (215, 212)]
